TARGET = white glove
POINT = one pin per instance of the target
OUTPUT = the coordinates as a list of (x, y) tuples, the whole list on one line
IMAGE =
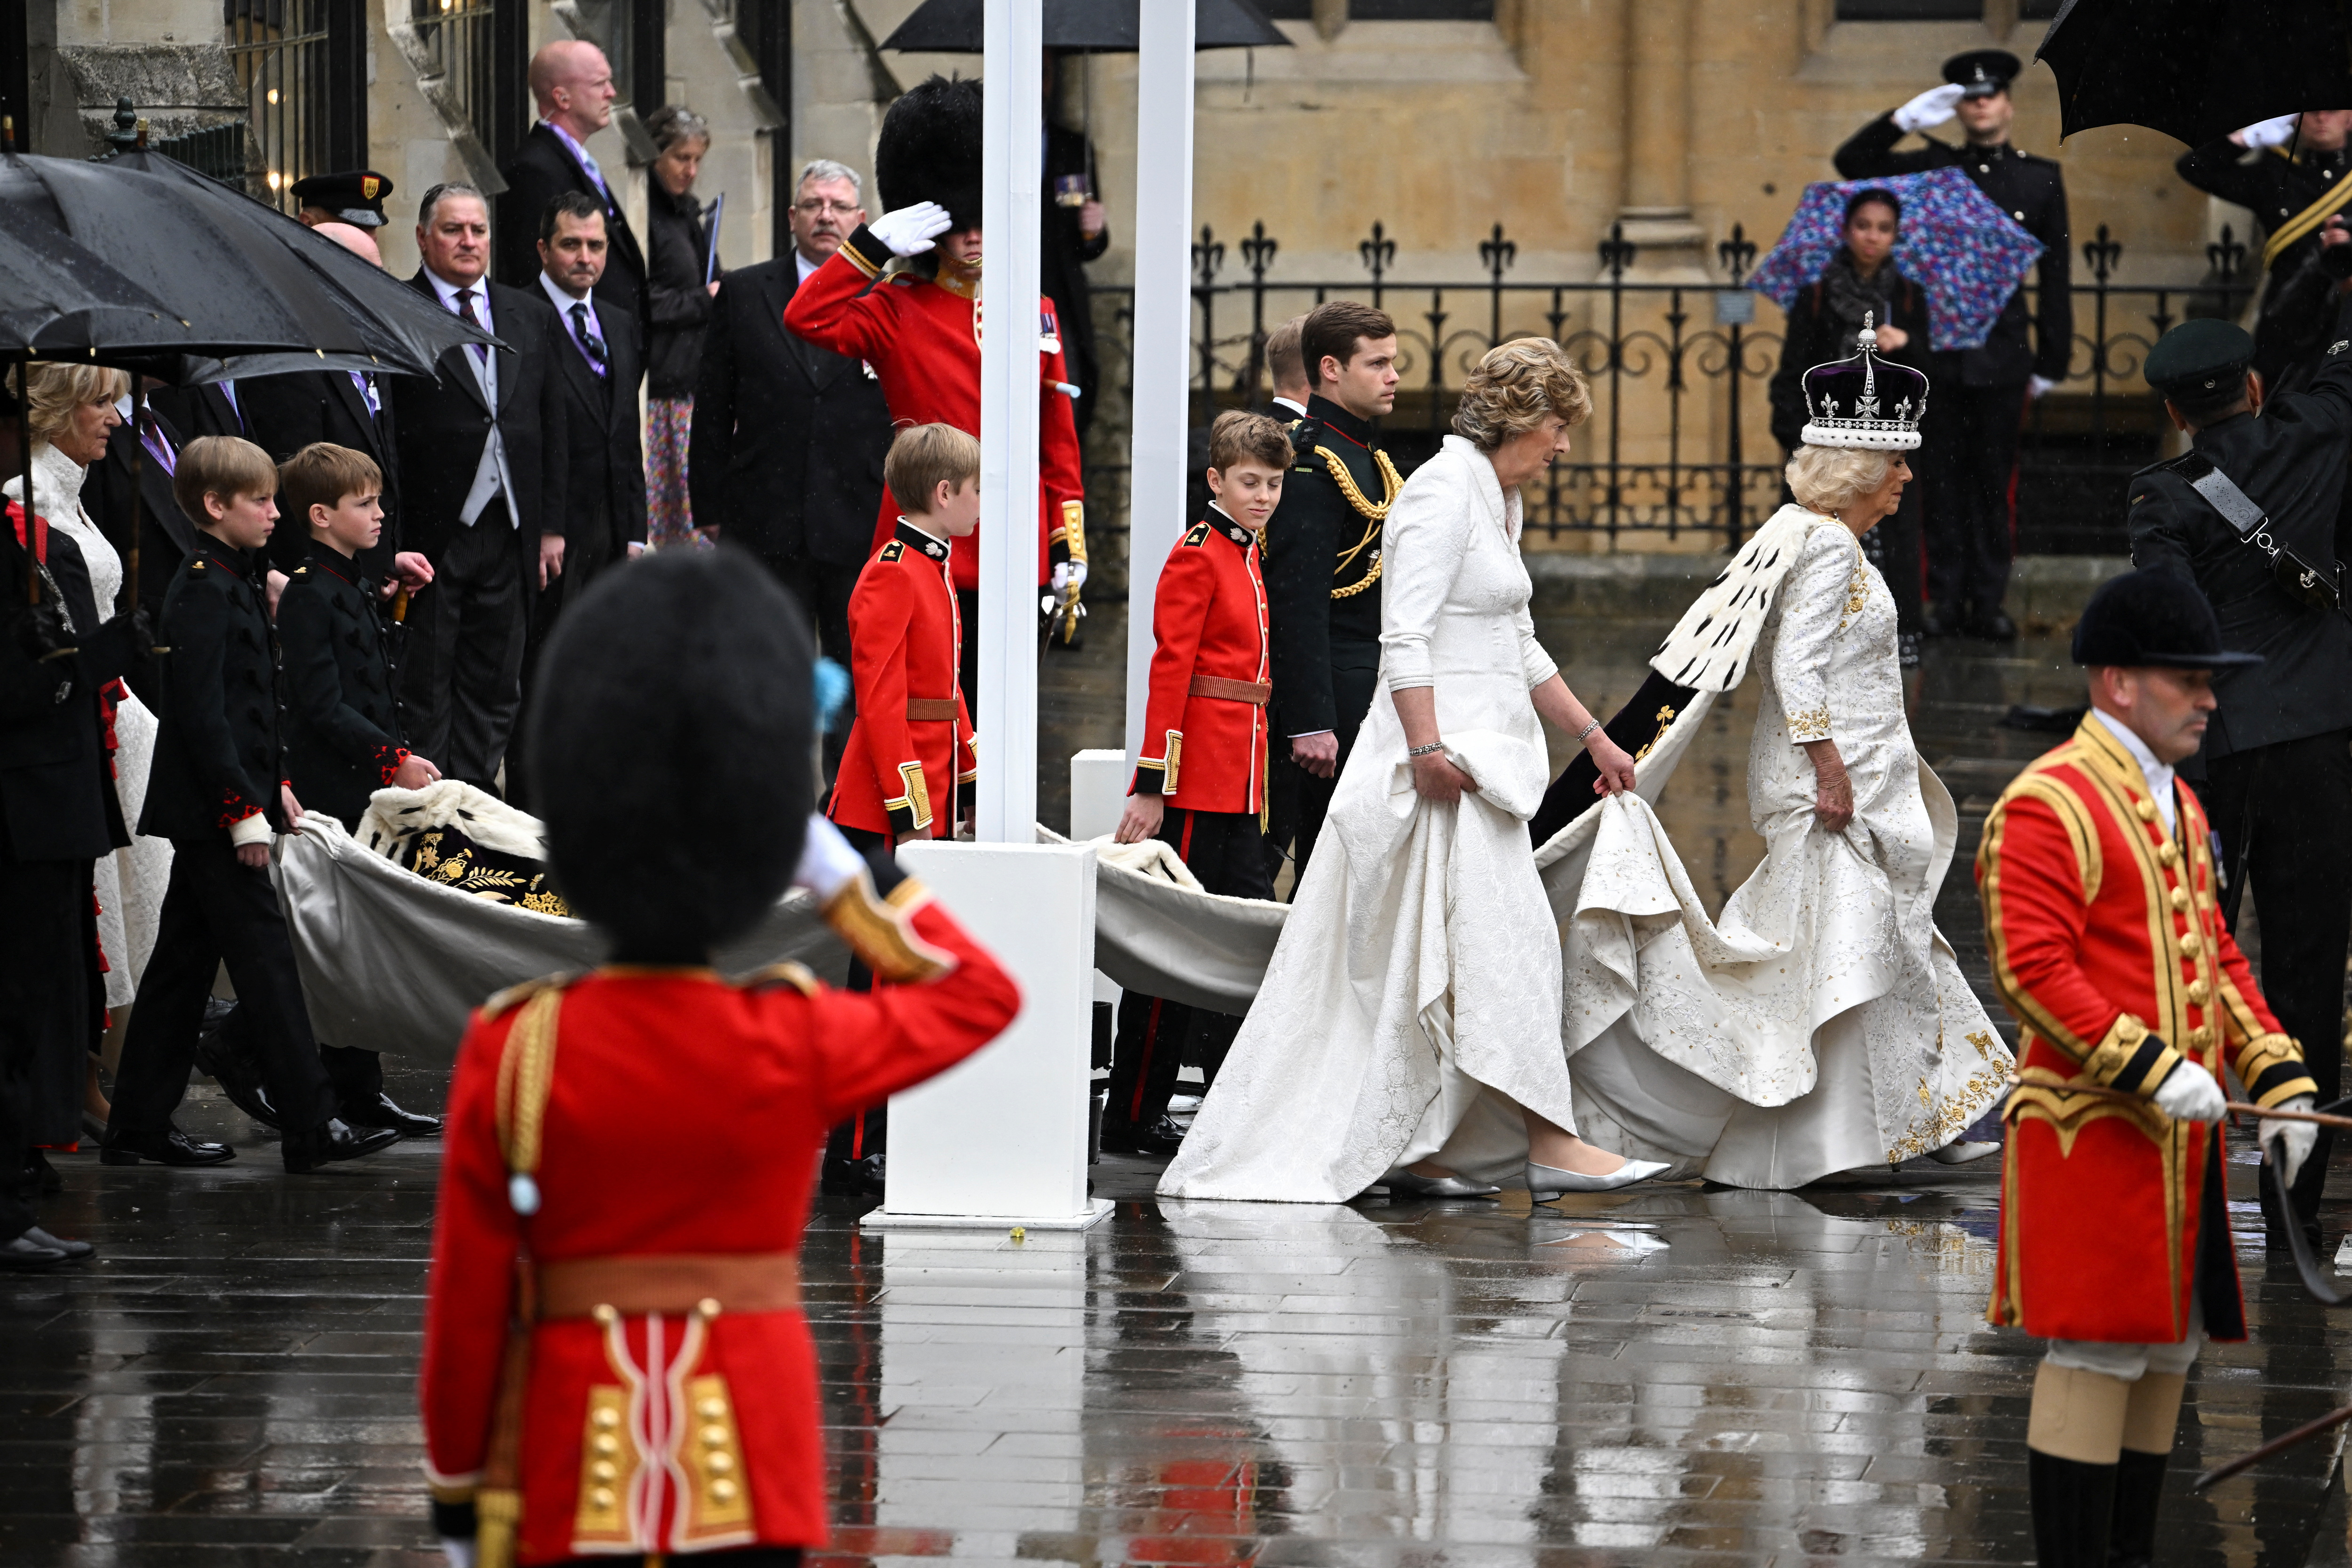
[(2295, 1139), (826, 860), (2276, 132), (1069, 575), (910, 230), (2189, 1094), (460, 1552), (1932, 107), (2038, 386)]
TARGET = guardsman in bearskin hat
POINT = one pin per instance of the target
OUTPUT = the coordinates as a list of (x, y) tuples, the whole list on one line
[(2104, 918), (1201, 780), (921, 332), (614, 1356)]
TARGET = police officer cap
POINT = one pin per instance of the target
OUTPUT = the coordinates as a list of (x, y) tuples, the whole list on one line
[(2152, 616), (354, 197), (1982, 71), (2199, 356)]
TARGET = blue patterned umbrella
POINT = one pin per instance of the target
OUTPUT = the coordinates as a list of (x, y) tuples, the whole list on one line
[(1967, 253)]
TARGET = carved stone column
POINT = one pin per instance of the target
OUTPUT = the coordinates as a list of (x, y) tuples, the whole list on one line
[(1656, 210)]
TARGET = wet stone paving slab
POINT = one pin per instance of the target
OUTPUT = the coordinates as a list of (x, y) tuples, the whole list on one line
[(1789, 1378)]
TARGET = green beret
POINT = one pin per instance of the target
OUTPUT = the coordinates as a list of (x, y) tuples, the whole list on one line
[(2198, 356)]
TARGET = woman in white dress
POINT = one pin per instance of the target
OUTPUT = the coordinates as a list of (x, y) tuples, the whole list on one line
[(1823, 1022), (1407, 1031), (71, 412)]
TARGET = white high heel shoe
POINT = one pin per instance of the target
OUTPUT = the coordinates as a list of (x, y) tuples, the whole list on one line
[(1403, 1183), (1546, 1183)]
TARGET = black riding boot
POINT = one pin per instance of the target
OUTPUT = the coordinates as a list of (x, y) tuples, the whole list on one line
[(2072, 1503), (2140, 1487)]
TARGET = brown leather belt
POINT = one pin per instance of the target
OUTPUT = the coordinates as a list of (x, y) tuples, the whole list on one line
[(931, 710), (1251, 691), (673, 1282)]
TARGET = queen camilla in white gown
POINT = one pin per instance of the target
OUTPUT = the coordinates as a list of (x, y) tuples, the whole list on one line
[(1410, 1015)]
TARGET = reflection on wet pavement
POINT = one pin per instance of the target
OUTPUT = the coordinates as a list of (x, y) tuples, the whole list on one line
[(1662, 1375)]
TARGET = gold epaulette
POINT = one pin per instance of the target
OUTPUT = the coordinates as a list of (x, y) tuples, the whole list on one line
[(514, 996), (1200, 534), (892, 551)]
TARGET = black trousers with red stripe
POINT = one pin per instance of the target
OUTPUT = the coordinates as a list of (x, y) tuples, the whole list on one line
[(1226, 850)]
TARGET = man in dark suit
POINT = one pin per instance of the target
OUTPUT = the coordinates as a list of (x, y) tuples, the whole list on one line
[(483, 465), (788, 441), (572, 82), (123, 506), (598, 373), (213, 408)]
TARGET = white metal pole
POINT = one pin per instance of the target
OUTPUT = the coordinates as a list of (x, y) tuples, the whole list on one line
[(1163, 327), (1012, 178)]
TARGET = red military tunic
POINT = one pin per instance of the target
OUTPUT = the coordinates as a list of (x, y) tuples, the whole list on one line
[(2107, 943), (1204, 731), (922, 340), (665, 1432), (910, 746)]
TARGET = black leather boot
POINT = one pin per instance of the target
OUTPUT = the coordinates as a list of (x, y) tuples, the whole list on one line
[(2140, 1487), (2072, 1505), (166, 1146)]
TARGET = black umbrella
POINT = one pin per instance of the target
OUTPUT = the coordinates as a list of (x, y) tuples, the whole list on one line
[(2196, 69), (58, 302), (1083, 26)]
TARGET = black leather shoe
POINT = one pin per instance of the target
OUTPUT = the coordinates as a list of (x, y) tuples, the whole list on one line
[(169, 1146), (1937, 621), (39, 1171), (1160, 1139), (219, 1057), (306, 1150), (73, 1250), (381, 1113), (1993, 625), (24, 1255), (852, 1178)]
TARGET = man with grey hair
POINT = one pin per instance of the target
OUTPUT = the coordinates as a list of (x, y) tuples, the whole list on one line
[(787, 453)]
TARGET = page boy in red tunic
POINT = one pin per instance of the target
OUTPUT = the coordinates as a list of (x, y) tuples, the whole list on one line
[(2104, 926), (1200, 779), (615, 1361)]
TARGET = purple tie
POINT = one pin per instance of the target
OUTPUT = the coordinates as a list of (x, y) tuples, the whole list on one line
[(466, 309)]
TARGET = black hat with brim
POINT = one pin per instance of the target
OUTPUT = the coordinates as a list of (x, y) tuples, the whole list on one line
[(2199, 356), (1982, 71), (2152, 618), (353, 195)]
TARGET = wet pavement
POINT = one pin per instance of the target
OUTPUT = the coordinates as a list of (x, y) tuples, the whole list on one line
[(1789, 1378)]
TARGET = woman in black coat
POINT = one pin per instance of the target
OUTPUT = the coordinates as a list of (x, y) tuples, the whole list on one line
[(679, 285), (1862, 280)]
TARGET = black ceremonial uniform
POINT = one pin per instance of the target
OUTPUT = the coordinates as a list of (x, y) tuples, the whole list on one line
[(1979, 407), (2278, 758), (342, 715), (1322, 585), (2291, 198)]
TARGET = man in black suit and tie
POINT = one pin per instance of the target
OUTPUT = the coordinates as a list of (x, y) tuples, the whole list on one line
[(785, 458), (572, 82), (483, 466), (598, 371)]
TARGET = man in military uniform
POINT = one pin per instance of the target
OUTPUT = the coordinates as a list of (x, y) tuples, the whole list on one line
[(2293, 184), (1323, 566), (2251, 515), (1981, 394)]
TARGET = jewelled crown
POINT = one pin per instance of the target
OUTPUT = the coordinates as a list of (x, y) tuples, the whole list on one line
[(1865, 401)]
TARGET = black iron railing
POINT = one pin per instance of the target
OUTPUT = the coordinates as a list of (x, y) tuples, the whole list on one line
[(278, 51), (1680, 445)]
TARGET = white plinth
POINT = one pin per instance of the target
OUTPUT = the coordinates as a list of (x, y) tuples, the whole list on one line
[(1000, 1139), (1098, 792)]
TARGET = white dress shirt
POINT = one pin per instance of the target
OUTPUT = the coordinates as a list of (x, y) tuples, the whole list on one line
[(2159, 774), (491, 477), (1297, 408), (805, 266)]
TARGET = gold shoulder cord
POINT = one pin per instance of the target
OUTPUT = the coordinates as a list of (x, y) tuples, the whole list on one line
[(1391, 482), (526, 1074)]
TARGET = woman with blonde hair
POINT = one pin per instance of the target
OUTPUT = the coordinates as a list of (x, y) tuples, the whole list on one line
[(1407, 1032), (1822, 1023), (70, 411)]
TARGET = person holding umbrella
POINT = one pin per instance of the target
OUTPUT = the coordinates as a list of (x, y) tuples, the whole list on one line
[(1982, 393), (1861, 289)]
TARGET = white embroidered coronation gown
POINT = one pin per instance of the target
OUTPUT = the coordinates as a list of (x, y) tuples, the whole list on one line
[(1417, 980), (129, 882), (1823, 1024)]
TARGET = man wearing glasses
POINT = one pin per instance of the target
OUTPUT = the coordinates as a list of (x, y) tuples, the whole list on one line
[(785, 458)]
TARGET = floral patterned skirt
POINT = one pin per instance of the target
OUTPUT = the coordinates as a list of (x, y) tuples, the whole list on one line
[(669, 516)]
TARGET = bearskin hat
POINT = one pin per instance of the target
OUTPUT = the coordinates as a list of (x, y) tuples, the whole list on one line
[(669, 750), (930, 150)]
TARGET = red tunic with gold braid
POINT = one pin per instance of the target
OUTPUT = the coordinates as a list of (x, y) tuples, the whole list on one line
[(910, 748), (698, 1427), (2107, 943), (922, 340), (1204, 744)]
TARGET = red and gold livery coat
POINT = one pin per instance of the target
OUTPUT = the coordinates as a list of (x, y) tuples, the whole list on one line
[(661, 1431), (922, 340), (1204, 730), (910, 748), (2107, 943)]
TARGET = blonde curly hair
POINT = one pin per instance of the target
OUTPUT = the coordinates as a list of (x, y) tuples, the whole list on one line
[(1825, 478), (58, 389), (1516, 386)]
